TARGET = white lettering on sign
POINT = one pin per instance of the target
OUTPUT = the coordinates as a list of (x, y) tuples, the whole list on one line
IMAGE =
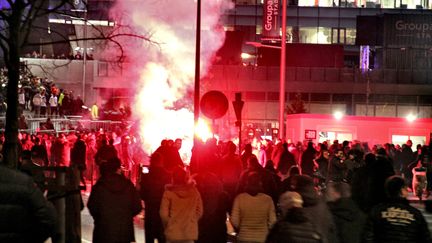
[(272, 11)]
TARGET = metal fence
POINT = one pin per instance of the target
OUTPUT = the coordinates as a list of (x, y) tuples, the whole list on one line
[(66, 124)]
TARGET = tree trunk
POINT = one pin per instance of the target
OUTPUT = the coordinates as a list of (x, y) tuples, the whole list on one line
[(10, 148)]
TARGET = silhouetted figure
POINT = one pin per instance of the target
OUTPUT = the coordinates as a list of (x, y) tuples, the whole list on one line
[(349, 219), (105, 153), (212, 225), (307, 160), (294, 226), (395, 220), (78, 157), (25, 215), (151, 190), (113, 203)]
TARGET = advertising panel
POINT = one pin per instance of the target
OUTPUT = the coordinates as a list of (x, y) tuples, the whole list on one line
[(271, 25), (414, 30)]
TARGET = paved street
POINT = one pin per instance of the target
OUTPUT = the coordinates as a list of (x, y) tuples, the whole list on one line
[(87, 220)]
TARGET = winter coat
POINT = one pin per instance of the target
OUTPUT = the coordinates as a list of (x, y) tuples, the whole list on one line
[(396, 221), (337, 169), (113, 203), (212, 225), (25, 215), (151, 190), (294, 228), (307, 161), (253, 216), (349, 220), (78, 155), (60, 152), (105, 153), (315, 209), (180, 210)]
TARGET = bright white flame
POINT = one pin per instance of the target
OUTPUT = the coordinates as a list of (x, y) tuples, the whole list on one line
[(203, 130), (246, 55), (338, 115), (411, 117), (167, 70)]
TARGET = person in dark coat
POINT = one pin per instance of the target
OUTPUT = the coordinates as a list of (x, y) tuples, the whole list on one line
[(170, 154), (337, 167), (41, 150), (286, 159), (105, 152), (25, 215), (322, 164), (307, 160), (212, 226), (294, 226), (348, 218), (269, 184), (316, 210), (152, 187), (230, 170), (395, 220), (377, 171), (113, 203), (78, 157), (404, 159)]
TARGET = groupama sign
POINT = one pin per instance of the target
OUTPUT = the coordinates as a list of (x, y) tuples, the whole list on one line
[(270, 26), (408, 29)]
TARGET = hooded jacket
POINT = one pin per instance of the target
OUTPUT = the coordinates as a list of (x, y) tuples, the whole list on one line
[(294, 228), (25, 215), (348, 218), (113, 203), (180, 210)]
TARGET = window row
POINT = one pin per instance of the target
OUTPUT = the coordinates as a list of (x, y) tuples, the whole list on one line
[(406, 4)]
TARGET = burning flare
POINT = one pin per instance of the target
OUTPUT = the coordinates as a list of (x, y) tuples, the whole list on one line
[(166, 71)]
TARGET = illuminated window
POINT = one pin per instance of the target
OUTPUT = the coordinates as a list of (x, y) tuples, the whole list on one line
[(402, 139)]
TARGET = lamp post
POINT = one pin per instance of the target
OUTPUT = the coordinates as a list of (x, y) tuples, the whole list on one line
[(282, 48), (197, 69), (282, 74)]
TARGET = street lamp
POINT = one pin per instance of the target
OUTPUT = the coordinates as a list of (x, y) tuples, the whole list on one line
[(282, 47)]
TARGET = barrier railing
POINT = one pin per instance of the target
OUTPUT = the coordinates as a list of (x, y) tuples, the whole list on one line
[(62, 125)]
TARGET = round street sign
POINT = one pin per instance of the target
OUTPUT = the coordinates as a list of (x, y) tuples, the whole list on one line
[(214, 104)]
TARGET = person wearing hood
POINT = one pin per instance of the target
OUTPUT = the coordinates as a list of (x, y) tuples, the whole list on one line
[(152, 186), (253, 212), (180, 209), (293, 226), (315, 208), (113, 203), (348, 217), (395, 220)]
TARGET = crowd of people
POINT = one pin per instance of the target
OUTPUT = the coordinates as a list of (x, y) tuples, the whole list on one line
[(305, 192), (71, 56)]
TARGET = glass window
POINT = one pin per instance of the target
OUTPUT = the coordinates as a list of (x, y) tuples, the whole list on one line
[(308, 35), (350, 36), (418, 140), (399, 139), (402, 139), (338, 35), (323, 35)]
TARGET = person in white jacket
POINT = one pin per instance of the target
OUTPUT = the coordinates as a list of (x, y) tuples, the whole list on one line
[(53, 105)]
